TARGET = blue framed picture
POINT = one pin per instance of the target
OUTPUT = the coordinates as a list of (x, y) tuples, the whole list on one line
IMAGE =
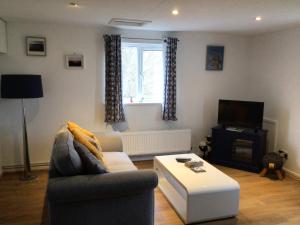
[(214, 57)]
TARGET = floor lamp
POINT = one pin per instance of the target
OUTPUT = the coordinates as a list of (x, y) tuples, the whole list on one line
[(20, 87)]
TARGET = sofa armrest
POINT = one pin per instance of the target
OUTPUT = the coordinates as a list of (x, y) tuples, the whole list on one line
[(109, 185), (110, 142)]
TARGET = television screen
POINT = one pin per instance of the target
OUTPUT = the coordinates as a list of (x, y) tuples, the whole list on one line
[(241, 113)]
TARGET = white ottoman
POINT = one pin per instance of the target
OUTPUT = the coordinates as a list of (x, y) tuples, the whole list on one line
[(197, 197)]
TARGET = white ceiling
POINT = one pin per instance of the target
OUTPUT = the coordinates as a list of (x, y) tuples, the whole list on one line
[(236, 16)]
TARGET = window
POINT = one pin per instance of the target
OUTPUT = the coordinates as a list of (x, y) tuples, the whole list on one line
[(142, 72)]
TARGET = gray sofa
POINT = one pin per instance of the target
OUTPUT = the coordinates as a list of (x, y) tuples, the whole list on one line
[(124, 196)]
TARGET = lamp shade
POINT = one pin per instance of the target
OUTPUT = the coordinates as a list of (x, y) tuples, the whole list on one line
[(21, 86)]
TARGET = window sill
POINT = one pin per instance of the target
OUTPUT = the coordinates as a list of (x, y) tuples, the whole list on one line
[(141, 104)]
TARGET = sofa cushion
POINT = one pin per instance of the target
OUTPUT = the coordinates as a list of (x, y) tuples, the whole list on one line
[(118, 162), (65, 158), (91, 165)]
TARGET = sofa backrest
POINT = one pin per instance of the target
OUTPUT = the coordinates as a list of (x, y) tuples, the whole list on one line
[(65, 160)]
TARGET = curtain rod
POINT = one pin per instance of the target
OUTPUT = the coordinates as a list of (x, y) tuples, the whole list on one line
[(150, 39)]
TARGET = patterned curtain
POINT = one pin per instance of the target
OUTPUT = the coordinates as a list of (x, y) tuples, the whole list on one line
[(114, 111), (169, 108)]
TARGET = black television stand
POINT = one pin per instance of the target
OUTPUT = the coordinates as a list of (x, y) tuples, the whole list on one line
[(241, 149)]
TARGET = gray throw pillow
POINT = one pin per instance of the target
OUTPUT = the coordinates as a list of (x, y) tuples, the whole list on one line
[(91, 165), (65, 158)]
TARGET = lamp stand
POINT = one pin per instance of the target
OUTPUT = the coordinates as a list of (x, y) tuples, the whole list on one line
[(27, 175)]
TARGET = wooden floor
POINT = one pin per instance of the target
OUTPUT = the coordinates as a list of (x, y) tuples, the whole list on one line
[(263, 201)]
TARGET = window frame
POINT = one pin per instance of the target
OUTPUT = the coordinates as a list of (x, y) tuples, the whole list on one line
[(141, 47)]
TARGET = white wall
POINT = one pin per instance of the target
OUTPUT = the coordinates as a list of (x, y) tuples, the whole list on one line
[(78, 94), (199, 90), (68, 94), (275, 79)]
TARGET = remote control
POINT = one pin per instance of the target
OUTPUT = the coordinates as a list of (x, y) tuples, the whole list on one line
[(183, 160)]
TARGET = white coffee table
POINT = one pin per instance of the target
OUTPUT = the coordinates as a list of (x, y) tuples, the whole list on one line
[(197, 197)]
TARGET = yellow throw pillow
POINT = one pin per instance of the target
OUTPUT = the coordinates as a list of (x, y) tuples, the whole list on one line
[(95, 141), (72, 125), (82, 138)]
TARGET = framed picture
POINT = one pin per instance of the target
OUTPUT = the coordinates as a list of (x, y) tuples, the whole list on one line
[(74, 61), (214, 57), (36, 46)]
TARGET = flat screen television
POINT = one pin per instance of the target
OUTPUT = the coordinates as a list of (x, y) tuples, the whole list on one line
[(242, 114)]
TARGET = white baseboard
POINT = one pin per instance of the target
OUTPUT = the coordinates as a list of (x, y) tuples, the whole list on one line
[(291, 173), (34, 166)]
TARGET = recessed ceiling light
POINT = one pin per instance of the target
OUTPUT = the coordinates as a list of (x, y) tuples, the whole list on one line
[(74, 4), (258, 18), (175, 12)]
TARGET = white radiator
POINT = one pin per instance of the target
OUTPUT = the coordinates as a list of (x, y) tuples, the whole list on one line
[(156, 141)]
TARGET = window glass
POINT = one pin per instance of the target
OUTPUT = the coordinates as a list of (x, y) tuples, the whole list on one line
[(130, 72), (152, 75), (142, 72)]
